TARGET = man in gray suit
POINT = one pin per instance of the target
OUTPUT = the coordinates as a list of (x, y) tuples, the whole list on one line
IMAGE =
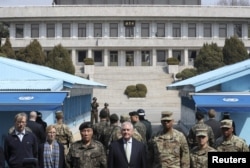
[(213, 123)]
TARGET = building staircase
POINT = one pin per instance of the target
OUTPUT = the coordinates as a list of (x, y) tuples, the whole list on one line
[(156, 79)]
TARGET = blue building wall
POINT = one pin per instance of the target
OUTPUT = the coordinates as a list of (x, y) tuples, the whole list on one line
[(237, 85)]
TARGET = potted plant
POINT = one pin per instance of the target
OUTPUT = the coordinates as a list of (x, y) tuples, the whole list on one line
[(173, 65), (89, 67)]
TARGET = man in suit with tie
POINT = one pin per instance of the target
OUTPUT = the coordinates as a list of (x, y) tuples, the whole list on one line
[(127, 152)]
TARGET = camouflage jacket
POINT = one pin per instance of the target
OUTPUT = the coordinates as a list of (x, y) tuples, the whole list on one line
[(235, 144), (141, 128), (63, 134), (199, 157), (169, 150), (91, 156), (99, 128), (148, 128), (110, 134), (192, 142)]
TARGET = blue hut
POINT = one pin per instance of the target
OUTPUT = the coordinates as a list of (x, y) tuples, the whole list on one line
[(25, 87), (226, 89)]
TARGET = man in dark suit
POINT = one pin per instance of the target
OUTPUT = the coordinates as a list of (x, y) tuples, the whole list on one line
[(127, 151), (214, 124), (37, 129)]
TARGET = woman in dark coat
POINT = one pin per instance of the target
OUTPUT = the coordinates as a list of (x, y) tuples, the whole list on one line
[(51, 153)]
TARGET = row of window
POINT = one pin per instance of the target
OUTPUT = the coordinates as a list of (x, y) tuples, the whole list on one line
[(129, 30)]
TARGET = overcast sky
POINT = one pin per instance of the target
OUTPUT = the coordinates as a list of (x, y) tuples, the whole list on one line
[(49, 2)]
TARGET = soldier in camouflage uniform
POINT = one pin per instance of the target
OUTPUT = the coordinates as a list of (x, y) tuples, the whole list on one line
[(112, 133), (87, 152), (230, 142), (136, 134), (169, 149), (94, 110), (139, 126), (63, 133), (107, 110), (192, 132), (199, 154), (99, 127)]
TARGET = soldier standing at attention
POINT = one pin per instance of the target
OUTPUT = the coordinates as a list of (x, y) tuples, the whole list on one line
[(169, 148), (86, 153), (147, 123), (94, 110), (107, 110), (63, 134), (199, 154), (139, 126), (230, 142)]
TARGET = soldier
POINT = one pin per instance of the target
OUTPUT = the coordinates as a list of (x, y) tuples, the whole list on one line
[(230, 142), (140, 127), (86, 153), (112, 133), (107, 110), (63, 133), (199, 154), (98, 128), (192, 132), (94, 110), (169, 148), (136, 134), (147, 123)]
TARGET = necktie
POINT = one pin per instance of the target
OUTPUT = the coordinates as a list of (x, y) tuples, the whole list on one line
[(128, 151)]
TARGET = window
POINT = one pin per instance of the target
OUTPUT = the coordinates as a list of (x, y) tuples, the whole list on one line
[(19, 31), (129, 31), (145, 58), (113, 30), (98, 56), (191, 30), (176, 30), (129, 58), (160, 30), (145, 30), (113, 58), (222, 30), (238, 30), (66, 30), (81, 56), (97, 30), (51, 30), (81, 29), (161, 57), (207, 30), (34, 30)]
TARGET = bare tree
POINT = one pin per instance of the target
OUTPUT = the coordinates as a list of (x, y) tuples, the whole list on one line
[(233, 2)]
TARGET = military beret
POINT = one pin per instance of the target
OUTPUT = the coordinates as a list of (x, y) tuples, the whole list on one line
[(85, 125), (226, 123), (166, 115), (114, 117), (59, 114), (134, 113)]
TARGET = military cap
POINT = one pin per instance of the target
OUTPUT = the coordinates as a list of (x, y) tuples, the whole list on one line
[(201, 132), (226, 123), (141, 112), (59, 114), (106, 104), (166, 115), (124, 118), (114, 117), (103, 114), (94, 98), (134, 113), (85, 125)]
